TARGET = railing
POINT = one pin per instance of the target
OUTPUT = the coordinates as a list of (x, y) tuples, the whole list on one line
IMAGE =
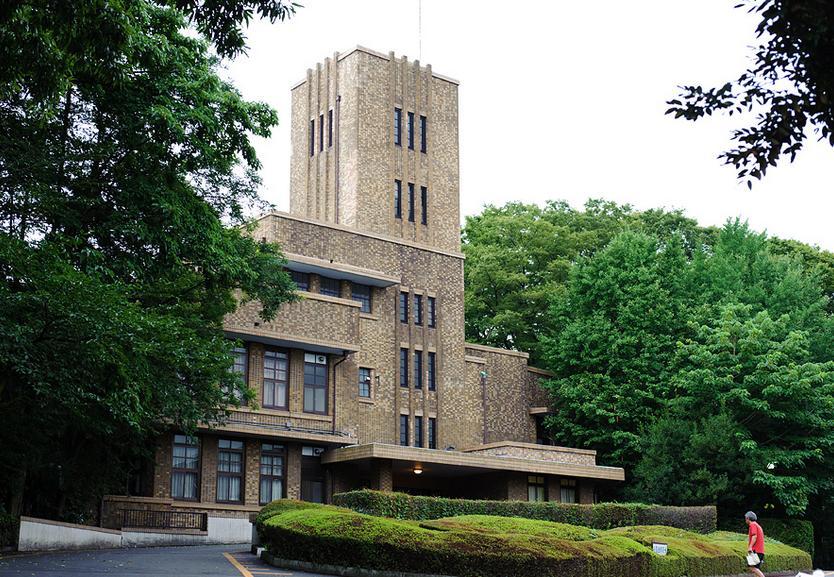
[(142, 519), (283, 423)]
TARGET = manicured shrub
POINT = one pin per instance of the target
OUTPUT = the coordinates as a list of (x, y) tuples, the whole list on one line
[(489, 546), (9, 528), (599, 516), (794, 532)]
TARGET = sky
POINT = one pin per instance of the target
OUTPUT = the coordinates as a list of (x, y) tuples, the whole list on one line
[(559, 100)]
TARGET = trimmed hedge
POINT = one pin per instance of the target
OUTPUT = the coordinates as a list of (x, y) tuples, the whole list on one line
[(9, 528), (794, 532), (600, 516), (485, 546)]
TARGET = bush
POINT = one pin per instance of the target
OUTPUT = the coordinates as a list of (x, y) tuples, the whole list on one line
[(600, 516), (488, 546), (9, 528), (794, 532)]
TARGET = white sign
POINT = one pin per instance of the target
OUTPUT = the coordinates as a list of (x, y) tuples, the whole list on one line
[(660, 548)]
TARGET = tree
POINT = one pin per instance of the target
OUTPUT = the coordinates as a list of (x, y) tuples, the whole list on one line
[(126, 172), (789, 87)]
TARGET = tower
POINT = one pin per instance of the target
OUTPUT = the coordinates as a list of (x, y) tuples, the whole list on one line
[(375, 147)]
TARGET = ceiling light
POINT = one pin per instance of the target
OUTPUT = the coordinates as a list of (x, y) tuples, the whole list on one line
[(418, 470)]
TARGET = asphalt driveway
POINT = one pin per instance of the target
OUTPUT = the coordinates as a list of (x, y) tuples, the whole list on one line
[(204, 561)]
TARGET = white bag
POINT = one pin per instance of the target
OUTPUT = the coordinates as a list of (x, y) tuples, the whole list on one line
[(752, 559)]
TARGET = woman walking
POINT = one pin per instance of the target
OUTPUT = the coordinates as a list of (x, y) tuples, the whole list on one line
[(755, 542)]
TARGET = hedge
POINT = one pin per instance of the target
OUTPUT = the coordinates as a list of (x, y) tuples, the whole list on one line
[(9, 528), (487, 546), (600, 516), (794, 532)]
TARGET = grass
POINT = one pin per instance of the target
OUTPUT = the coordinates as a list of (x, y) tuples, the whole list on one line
[(487, 546)]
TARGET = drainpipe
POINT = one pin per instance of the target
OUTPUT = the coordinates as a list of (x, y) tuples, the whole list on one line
[(336, 364)]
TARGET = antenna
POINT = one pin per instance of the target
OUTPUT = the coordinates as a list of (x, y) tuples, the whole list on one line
[(420, 30)]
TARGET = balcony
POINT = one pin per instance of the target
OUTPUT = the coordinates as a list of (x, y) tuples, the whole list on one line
[(316, 323), (288, 425)]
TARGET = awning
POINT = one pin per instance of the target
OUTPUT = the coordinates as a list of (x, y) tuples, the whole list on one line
[(293, 342), (339, 270), (467, 462)]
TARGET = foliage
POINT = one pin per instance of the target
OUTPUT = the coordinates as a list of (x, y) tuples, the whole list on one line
[(599, 516), (519, 255), (9, 529), (481, 546), (124, 158), (788, 87)]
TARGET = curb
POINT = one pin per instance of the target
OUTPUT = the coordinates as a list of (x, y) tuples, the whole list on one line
[(309, 567)]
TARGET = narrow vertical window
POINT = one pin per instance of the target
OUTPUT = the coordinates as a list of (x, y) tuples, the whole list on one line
[(423, 134), (567, 493), (410, 202), (312, 137), (330, 128), (272, 473), (418, 309), (432, 433), (364, 382), (404, 430), (361, 293), (229, 471), (404, 307), (411, 131), (424, 205), (418, 369), (315, 383), (404, 368), (321, 132), (418, 431), (432, 312), (275, 378), (398, 122), (185, 468), (536, 489), (432, 368), (398, 199)]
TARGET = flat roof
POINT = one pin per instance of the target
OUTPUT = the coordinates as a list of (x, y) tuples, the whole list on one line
[(474, 461)]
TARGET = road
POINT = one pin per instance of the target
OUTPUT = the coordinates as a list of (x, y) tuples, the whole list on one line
[(203, 561)]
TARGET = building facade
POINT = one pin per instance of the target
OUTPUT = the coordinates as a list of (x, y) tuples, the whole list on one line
[(367, 380)]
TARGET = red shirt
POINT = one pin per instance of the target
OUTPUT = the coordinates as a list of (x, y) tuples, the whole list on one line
[(755, 529)]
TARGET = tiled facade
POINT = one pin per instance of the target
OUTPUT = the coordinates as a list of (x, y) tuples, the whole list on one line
[(345, 234)]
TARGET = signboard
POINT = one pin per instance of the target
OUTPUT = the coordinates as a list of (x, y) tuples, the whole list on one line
[(660, 548)]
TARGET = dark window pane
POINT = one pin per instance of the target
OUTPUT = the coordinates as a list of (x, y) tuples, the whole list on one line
[(410, 202), (404, 430), (424, 205), (418, 369), (321, 132), (432, 312), (404, 367), (315, 383), (418, 431), (362, 293), (423, 134), (329, 286), (411, 130), (365, 382), (432, 433), (398, 121), (431, 367), (301, 279), (418, 309), (404, 307), (330, 127), (312, 137), (398, 199)]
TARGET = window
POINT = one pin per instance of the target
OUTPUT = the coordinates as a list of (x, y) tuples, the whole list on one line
[(301, 280), (321, 132), (315, 383), (404, 307), (418, 309), (418, 369), (312, 137), (404, 430), (239, 367), (432, 369), (410, 202), (398, 122), (411, 131), (272, 473), (423, 134), (229, 471), (312, 475), (330, 128), (185, 470), (418, 431), (404, 367), (568, 491), (329, 286), (275, 378), (432, 312), (398, 199), (364, 382), (361, 293), (432, 433), (424, 205), (536, 490)]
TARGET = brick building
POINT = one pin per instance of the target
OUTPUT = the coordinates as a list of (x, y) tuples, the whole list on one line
[(367, 380)]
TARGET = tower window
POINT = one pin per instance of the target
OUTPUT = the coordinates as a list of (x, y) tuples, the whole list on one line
[(410, 202), (423, 134), (432, 302), (432, 371), (418, 369), (398, 199), (330, 127), (404, 430), (418, 431), (432, 433), (424, 205), (404, 307), (398, 122), (418, 309), (404, 368), (312, 137), (411, 131), (321, 132)]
